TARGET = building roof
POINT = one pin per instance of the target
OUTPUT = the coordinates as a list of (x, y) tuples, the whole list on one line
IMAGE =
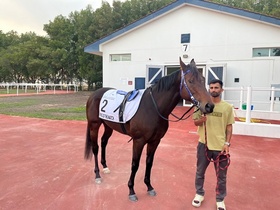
[(94, 48)]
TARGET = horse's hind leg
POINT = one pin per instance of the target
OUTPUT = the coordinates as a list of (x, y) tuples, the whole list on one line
[(104, 140), (94, 138), (151, 149)]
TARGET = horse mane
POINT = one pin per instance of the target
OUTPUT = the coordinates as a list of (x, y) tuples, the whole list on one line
[(165, 83)]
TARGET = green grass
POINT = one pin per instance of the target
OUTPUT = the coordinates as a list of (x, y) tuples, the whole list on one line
[(14, 91), (74, 113), (55, 107), (24, 103)]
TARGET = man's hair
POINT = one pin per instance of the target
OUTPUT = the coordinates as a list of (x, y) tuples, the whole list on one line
[(214, 81)]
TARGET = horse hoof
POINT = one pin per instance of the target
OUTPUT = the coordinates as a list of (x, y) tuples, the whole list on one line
[(106, 170), (98, 180), (133, 198), (152, 193)]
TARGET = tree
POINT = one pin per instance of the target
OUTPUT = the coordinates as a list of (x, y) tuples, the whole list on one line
[(59, 57), (24, 59), (63, 44), (6, 41), (266, 7)]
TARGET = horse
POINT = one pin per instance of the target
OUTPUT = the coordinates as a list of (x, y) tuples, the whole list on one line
[(150, 122)]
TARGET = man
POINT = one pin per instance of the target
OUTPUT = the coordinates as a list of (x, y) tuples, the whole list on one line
[(214, 146)]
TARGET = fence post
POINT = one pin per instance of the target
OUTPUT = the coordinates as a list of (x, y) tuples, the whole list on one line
[(241, 98), (248, 104), (37, 89)]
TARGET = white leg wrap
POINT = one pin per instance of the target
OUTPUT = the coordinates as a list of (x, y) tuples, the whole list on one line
[(106, 170)]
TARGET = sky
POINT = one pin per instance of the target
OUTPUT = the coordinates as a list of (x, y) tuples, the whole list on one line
[(31, 15)]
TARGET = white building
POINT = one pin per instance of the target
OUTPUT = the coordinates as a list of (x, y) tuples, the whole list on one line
[(234, 45)]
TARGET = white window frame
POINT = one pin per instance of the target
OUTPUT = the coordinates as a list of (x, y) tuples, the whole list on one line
[(270, 54), (120, 57)]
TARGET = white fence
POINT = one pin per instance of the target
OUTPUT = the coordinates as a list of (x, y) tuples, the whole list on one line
[(267, 99), (255, 103), (38, 87), (254, 99)]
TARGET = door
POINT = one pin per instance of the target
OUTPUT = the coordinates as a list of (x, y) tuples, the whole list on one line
[(139, 83), (215, 71), (154, 73)]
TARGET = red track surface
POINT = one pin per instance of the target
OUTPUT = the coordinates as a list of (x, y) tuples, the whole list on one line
[(42, 167)]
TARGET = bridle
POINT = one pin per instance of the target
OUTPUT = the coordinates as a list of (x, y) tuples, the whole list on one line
[(183, 82), (194, 101)]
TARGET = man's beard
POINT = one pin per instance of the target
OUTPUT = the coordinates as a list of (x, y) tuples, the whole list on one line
[(215, 94)]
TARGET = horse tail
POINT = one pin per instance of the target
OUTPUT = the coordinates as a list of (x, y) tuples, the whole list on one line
[(88, 145)]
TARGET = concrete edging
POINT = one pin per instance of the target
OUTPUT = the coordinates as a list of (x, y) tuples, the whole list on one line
[(257, 129)]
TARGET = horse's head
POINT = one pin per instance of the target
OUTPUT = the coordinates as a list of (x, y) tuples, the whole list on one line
[(193, 87)]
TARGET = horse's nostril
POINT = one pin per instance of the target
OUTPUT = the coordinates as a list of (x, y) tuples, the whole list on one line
[(209, 108)]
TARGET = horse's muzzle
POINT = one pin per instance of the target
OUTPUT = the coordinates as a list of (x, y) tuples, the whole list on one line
[(209, 108)]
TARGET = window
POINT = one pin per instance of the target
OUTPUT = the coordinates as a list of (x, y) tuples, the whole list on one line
[(260, 52), (120, 57), (266, 52), (275, 51), (185, 38)]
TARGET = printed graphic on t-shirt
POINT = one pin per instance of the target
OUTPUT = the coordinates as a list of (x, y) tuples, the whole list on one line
[(216, 114)]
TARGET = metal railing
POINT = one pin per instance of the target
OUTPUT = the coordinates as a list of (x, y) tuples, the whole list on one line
[(264, 100), (37, 87)]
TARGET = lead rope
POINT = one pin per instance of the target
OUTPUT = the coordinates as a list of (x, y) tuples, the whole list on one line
[(178, 119), (217, 160)]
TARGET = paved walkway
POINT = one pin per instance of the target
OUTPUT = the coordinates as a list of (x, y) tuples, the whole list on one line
[(42, 167)]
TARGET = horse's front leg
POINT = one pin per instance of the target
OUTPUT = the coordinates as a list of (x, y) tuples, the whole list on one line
[(104, 141), (137, 151), (151, 149)]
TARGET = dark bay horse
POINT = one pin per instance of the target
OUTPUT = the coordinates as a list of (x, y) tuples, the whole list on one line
[(150, 123)]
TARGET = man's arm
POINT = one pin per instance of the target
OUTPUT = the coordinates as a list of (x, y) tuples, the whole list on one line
[(228, 133), (228, 138)]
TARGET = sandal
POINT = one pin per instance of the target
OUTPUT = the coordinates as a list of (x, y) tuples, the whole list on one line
[(197, 200), (221, 205)]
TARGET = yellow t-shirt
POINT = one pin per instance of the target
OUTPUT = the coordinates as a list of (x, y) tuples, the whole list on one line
[(216, 124)]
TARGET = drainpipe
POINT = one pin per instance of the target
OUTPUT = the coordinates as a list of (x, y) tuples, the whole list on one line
[(248, 104), (272, 99)]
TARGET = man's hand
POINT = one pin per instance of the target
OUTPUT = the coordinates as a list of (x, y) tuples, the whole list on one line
[(225, 150), (200, 121)]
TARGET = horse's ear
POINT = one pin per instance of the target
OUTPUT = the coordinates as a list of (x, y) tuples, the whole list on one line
[(182, 64), (192, 62)]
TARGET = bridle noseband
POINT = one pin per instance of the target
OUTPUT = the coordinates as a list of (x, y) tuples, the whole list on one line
[(183, 82)]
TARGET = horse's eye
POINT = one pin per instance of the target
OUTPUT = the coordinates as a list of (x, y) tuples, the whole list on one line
[(190, 81)]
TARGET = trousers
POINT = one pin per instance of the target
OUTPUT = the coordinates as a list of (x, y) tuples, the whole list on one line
[(221, 171)]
